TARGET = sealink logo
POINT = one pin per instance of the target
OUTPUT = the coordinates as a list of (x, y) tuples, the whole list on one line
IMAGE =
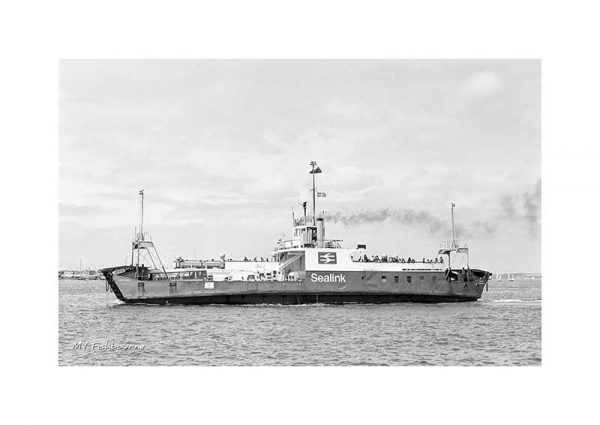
[(332, 277), (327, 258)]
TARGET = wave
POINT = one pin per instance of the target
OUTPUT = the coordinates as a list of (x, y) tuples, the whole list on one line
[(512, 300)]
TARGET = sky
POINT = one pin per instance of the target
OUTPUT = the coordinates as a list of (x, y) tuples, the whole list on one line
[(222, 151)]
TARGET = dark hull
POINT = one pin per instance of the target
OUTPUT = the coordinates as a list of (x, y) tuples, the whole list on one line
[(359, 288), (296, 299)]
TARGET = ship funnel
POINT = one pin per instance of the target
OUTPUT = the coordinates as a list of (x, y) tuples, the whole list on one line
[(320, 232)]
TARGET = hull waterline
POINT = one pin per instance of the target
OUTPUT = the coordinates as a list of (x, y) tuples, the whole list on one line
[(358, 288)]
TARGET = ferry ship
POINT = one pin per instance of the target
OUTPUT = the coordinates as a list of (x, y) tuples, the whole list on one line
[(308, 268)]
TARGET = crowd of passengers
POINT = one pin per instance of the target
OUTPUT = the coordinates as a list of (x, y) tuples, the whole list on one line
[(374, 259), (246, 259), (386, 259), (364, 259)]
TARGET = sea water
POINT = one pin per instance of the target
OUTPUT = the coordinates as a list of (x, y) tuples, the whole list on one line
[(502, 328)]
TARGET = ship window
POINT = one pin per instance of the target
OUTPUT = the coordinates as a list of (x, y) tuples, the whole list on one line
[(408, 279), (434, 278), (421, 278), (396, 279), (383, 279)]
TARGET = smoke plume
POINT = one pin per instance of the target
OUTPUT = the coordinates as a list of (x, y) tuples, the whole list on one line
[(403, 216), (532, 203), (524, 207)]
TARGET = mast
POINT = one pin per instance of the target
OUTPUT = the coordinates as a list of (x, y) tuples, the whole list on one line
[(140, 236), (314, 192), (453, 237), (142, 215), (314, 171)]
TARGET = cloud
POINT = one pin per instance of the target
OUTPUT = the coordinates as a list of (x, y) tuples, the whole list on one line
[(224, 205), (507, 206), (389, 135), (71, 210), (481, 84)]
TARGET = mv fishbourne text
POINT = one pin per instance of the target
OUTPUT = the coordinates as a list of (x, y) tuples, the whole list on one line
[(105, 346)]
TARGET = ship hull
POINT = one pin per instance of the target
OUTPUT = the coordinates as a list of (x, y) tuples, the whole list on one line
[(356, 287), (299, 299)]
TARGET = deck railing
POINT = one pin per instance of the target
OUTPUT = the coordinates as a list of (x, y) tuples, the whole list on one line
[(452, 245), (296, 243)]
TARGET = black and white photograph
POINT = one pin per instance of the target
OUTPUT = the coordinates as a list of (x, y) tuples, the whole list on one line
[(337, 212), (300, 212)]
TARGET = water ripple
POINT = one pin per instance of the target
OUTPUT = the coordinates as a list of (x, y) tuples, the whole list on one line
[(503, 328)]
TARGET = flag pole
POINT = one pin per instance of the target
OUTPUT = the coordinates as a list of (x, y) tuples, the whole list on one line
[(313, 163)]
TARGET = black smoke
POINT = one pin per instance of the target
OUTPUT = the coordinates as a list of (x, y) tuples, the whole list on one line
[(403, 216), (524, 207)]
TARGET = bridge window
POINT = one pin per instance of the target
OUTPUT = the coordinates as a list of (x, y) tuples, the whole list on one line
[(396, 279), (408, 279)]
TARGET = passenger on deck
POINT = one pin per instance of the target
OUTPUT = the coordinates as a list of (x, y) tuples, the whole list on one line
[(246, 259), (366, 259)]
